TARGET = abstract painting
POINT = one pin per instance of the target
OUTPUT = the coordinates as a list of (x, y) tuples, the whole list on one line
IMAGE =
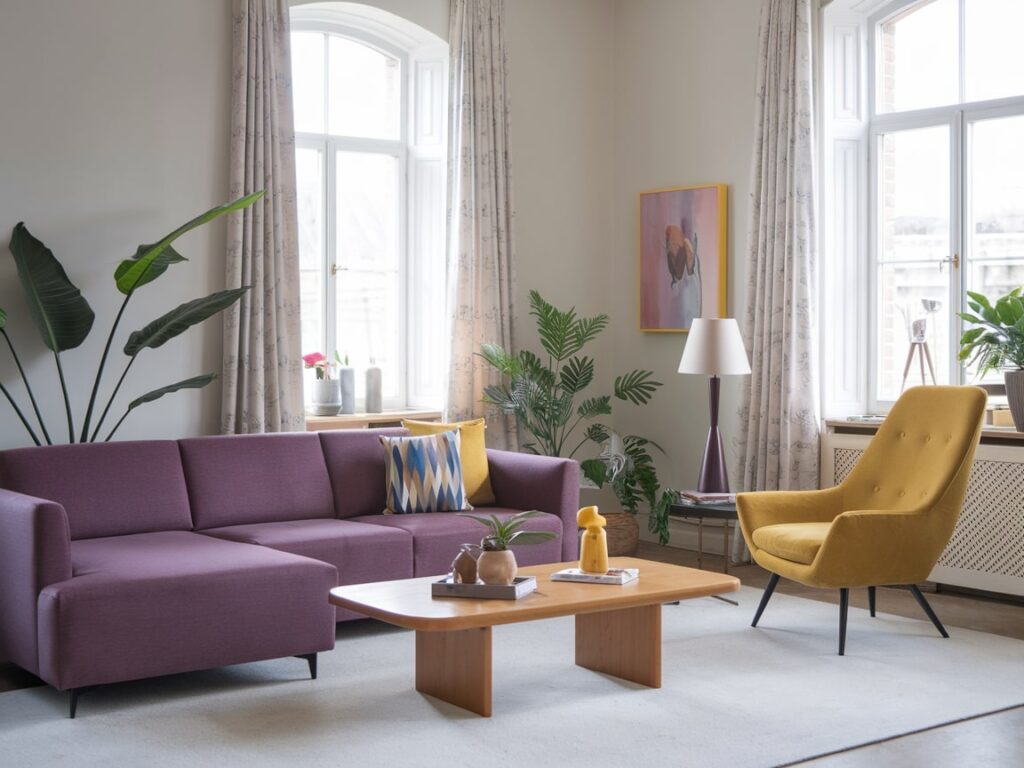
[(682, 256)]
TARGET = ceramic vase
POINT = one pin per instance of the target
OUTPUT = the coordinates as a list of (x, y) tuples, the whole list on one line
[(326, 397), (497, 566), (347, 377), (374, 399), (1015, 397), (464, 564)]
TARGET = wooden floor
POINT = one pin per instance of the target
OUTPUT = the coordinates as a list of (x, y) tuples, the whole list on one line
[(993, 740)]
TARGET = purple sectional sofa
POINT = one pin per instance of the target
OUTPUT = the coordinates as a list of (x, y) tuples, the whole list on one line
[(121, 561)]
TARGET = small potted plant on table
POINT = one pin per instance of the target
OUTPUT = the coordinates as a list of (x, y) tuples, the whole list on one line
[(497, 563), (996, 342)]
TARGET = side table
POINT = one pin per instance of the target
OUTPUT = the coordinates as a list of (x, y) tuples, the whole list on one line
[(723, 512)]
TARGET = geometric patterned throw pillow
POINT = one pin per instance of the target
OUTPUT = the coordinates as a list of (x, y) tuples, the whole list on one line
[(424, 474)]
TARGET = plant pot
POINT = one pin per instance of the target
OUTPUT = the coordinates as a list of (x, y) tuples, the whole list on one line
[(1015, 397), (623, 534), (326, 397), (496, 566)]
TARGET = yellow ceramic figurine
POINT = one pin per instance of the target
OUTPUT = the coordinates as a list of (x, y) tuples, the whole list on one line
[(594, 546)]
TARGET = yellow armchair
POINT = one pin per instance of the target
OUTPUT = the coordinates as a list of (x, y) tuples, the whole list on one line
[(889, 520)]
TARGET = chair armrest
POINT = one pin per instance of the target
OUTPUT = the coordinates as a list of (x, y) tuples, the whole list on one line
[(762, 508), (527, 481), (867, 547), (35, 551)]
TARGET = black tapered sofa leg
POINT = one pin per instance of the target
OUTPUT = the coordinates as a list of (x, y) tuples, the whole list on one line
[(75, 693), (765, 598), (311, 660), (928, 610)]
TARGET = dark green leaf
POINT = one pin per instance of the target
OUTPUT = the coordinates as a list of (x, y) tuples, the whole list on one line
[(137, 272), (598, 433), (595, 406), (595, 471), (577, 374), (636, 386), (157, 266), (196, 382), (60, 312), (3, 319), (180, 319)]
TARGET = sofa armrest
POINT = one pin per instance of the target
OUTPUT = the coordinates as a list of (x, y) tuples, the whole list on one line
[(526, 481), (35, 551)]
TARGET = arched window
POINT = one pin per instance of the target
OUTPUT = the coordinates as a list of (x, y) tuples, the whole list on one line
[(369, 101)]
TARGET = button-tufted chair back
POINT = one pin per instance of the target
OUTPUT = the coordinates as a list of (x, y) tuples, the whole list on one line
[(921, 455)]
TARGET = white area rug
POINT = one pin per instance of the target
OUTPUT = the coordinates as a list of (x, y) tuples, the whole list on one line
[(731, 696)]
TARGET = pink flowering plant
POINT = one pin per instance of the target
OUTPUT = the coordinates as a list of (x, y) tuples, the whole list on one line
[(318, 362)]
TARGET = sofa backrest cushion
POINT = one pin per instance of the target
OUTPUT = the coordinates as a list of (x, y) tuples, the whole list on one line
[(107, 489), (355, 461), (240, 479)]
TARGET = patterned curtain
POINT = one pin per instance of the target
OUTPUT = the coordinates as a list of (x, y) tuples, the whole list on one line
[(780, 447), (262, 337), (481, 275)]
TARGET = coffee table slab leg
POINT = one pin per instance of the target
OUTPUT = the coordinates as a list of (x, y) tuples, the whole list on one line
[(456, 667), (624, 643)]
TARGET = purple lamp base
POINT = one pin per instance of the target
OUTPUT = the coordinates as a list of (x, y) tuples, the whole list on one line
[(713, 476)]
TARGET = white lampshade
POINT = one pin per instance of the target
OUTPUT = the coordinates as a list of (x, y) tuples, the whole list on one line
[(714, 347)]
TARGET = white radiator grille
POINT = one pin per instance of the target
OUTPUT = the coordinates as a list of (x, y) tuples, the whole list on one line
[(990, 531)]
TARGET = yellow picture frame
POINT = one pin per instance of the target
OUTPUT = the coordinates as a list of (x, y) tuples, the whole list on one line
[(677, 280)]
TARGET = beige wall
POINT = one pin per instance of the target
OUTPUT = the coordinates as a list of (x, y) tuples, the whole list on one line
[(105, 145), (114, 131), (684, 112)]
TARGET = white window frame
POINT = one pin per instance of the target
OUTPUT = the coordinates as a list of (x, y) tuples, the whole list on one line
[(851, 236), (420, 147)]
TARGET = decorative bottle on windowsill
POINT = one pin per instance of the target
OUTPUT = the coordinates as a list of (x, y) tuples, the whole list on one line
[(374, 395), (347, 377)]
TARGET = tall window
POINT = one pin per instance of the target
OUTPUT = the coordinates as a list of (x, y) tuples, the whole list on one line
[(946, 146), (370, 175)]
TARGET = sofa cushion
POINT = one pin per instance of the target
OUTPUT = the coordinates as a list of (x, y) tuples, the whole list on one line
[(355, 463), (358, 551), (159, 603), (240, 479), (424, 474), (798, 542), (107, 489), (472, 451), (437, 537)]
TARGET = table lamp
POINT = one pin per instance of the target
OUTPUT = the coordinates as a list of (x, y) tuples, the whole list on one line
[(714, 347)]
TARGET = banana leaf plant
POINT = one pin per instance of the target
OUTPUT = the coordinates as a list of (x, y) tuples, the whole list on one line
[(64, 319), (547, 397)]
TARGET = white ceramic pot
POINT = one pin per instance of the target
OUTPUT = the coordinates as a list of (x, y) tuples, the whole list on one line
[(497, 567), (1015, 397), (326, 397)]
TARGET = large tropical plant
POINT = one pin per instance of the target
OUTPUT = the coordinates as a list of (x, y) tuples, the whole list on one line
[(997, 339), (64, 319), (547, 395)]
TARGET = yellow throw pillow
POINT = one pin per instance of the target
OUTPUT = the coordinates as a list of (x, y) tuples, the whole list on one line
[(473, 450)]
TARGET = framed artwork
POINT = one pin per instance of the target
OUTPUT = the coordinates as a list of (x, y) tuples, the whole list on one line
[(681, 256)]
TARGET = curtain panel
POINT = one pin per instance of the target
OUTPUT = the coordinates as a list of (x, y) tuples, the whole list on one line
[(780, 411), (481, 272), (262, 384)]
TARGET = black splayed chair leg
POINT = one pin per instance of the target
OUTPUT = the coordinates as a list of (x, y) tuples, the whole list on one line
[(765, 598), (871, 600), (928, 610), (311, 660), (844, 605)]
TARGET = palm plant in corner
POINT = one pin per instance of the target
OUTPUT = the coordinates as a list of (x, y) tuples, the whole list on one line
[(64, 319), (546, 396)]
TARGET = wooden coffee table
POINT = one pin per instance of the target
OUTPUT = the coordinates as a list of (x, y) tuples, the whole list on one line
[(618, 629)]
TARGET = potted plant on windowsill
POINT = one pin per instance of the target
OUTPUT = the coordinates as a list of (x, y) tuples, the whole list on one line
[(497, 563), (996, 342), (547, 398)]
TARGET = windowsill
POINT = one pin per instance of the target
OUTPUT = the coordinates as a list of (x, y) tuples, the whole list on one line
[(390, 418), (861, 425)]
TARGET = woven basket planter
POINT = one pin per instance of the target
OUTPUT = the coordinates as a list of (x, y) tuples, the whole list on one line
[(623, 534)]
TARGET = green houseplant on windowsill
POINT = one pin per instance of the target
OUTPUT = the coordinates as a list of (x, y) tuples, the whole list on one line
[(996, 342)]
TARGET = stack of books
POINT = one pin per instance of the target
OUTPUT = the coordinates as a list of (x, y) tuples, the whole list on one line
[(613, 576), (696, 497)]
